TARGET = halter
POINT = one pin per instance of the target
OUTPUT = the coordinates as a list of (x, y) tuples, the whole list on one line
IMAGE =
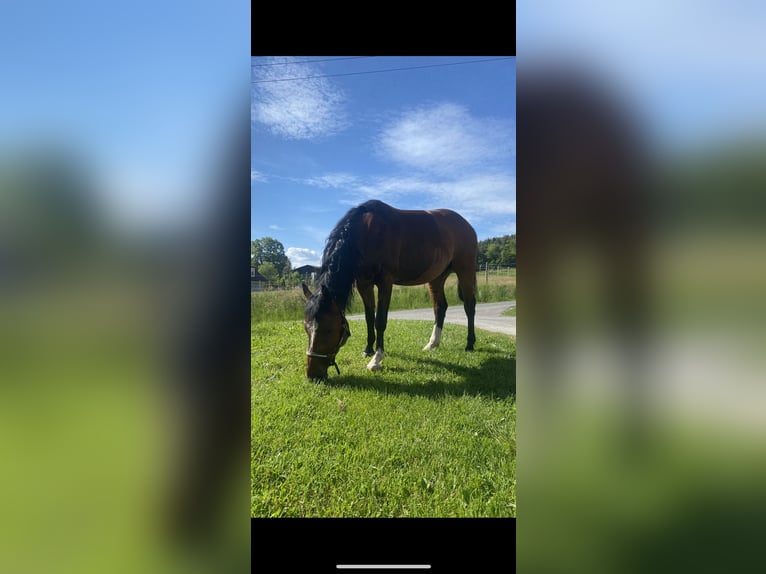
[(344, 335)]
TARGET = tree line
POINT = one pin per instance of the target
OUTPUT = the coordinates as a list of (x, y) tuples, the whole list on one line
[(497, 252), (267, 255)]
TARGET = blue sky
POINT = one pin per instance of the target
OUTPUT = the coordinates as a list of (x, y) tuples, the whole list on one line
[(417, 139), (692, 70), (144, 94)]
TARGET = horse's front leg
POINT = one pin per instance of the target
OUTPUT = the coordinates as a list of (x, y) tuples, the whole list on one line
[(436, 289), (367, 292), (381, 318)]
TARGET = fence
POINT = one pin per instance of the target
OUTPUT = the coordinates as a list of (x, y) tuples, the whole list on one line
[(256, 286), (481, 271), (495, 270)]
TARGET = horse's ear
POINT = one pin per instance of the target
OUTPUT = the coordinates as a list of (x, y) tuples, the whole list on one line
[(306, 291)]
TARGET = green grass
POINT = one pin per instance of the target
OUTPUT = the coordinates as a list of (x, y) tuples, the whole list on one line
[(289, 305), (430, 435), (511, 312)]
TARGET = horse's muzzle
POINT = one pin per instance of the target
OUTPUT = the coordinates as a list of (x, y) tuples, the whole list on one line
[(316, 369)]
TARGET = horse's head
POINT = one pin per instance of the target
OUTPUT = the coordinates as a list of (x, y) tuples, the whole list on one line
[(327, 330)]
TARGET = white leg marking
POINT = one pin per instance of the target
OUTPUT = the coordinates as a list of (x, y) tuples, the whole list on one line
[(436, 337), (376, 361)]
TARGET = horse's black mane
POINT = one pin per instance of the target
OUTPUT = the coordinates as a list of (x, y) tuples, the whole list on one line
[(339, 261)]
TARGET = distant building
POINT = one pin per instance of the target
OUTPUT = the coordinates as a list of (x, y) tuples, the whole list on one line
[(308, 272)]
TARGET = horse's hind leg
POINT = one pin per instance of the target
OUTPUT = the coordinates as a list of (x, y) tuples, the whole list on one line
[(466, 290), (436, 288)]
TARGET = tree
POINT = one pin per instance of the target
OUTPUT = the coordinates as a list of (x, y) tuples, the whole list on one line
[(268, 271), (497, 251), (294, 279), (269, 250), (493, 253), (508, 252)]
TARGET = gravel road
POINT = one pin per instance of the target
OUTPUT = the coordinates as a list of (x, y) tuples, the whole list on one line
[(488, 316)]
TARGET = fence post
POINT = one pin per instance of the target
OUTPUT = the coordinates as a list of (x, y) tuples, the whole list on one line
[(486, 273)]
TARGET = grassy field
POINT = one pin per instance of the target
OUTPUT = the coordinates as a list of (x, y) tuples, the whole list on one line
[(430, 435), (289, 305)]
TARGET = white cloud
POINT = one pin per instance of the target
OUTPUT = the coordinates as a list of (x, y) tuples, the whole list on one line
[(446, 139), (298, 109), (453, 160), (300, 256), (392, 187), (136, 200), (485, 195), (332, 180), (276, 227), (482, 195), (257, 176)]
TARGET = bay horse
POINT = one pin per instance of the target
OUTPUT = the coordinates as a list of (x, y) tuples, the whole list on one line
[(375, 244)]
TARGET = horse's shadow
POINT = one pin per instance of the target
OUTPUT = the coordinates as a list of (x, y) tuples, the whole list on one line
[(495, 378)]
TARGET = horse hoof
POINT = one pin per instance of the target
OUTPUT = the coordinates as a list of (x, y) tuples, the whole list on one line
[(367, 353), (377, 360), (429, 347), (469, 349)]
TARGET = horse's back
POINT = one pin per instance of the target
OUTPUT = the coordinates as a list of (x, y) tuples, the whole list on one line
[(438, 229), (416, 246), (451, 222)]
